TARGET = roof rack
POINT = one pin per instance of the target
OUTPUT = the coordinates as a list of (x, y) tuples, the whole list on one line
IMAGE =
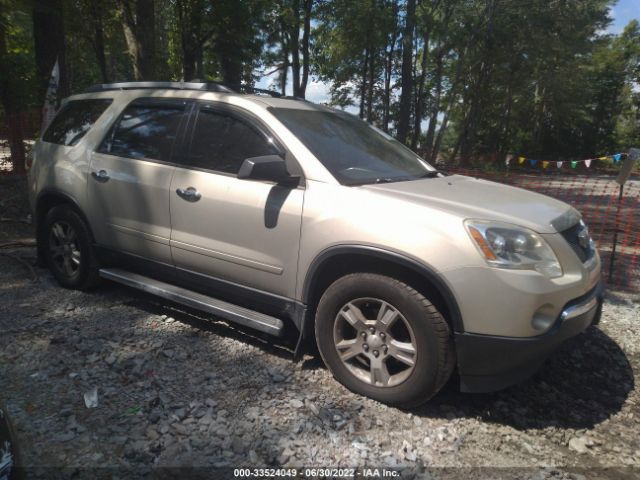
[(202, 86)]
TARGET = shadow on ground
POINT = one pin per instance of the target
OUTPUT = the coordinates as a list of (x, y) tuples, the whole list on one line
[(281, 347), (582, 384)]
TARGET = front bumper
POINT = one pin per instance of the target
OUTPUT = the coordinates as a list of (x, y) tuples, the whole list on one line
[(487, 363)]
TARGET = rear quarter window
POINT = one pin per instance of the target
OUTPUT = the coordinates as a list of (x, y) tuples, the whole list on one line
[(74, 120)]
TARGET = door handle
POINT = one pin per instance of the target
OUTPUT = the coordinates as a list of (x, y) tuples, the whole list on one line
[(100, 175), (190, 194)]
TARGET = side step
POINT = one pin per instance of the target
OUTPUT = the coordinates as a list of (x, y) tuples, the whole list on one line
[(228, 311)]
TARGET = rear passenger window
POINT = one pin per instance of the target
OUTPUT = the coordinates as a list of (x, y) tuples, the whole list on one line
[(145, 131), (75, 119), (221, 142)]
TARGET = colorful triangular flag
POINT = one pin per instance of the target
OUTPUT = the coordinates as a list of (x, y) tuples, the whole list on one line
[(559, 164), (521, 160), (533, 162), (601, 158), (574, 164), (616, 157), (587, 163), (545, 164)]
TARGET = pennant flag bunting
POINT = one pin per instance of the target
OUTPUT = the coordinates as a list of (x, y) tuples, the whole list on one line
[(574, 163)]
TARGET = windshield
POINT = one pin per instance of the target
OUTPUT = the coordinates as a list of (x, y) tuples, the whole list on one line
[(353, 151)]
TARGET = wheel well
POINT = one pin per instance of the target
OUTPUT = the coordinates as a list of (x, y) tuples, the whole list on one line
[(44, 204), (343, 264)]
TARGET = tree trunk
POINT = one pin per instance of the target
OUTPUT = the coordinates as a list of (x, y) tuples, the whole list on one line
[(453, 93), (94, 10), (372, 67), (294, 42), (285, 65), (505, 144), (539, 110), (138, 24), (436, 146), (406, 74), (128, 28), (98, 45), (192, 39), (308, 4), (15, 135), (145, 32), (371, 72), (435, 105), (284, 51), (363, 85), (199, 64), (476, 98), (388, 71), (231, 71), (48, 35), (420, 93)]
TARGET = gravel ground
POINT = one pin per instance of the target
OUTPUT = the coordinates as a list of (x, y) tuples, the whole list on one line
[(177, 389)]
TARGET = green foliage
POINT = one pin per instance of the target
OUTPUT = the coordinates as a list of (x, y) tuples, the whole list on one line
[(627, 122), (17, 74), (488, 76)]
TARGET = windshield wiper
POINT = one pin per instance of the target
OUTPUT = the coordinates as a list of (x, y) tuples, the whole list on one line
[(393, 179), (382, 180), (432, 174)]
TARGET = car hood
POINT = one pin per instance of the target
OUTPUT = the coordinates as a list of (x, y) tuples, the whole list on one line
[(481, 199)]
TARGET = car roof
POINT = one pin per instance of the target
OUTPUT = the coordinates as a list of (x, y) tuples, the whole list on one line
[(263, 101)]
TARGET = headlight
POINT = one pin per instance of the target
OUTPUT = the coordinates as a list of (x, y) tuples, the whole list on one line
[(509, 246)]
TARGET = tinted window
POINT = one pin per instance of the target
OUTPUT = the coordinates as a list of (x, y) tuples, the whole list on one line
[(145, 130), (74, 120), (352, 150), (221, 142)]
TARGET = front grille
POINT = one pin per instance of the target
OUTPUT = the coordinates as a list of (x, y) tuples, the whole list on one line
[(571, 235)]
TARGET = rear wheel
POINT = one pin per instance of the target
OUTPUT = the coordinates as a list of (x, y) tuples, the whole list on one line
[(68, 250), (383, 339)]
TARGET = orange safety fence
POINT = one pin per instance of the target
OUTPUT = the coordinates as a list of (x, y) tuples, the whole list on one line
[(613, 219)]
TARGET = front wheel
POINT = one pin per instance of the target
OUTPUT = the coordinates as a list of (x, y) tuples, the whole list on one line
[(383, 339), (68, 249)]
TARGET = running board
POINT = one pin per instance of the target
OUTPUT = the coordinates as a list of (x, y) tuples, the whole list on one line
[(205, 303)]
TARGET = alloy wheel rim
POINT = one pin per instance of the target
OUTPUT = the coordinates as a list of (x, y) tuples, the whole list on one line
[(64, 249), (375, 342)]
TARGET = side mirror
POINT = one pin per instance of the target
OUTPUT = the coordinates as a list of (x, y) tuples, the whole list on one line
[(267, 167)]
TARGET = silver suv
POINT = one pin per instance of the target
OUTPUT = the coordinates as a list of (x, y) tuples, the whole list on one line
[(277, 213)]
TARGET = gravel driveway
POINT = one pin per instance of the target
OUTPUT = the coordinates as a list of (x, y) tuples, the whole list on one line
[(178, 389)]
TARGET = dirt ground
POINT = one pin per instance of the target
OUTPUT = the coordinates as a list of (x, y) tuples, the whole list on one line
[(180, 394)]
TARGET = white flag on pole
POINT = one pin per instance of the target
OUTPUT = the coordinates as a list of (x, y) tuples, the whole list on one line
[(51, 99)]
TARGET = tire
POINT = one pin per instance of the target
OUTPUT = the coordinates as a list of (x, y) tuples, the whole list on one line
[(68, 249), (370, 328)]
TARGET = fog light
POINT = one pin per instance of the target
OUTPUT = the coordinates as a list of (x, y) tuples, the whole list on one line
[(543, 318)]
